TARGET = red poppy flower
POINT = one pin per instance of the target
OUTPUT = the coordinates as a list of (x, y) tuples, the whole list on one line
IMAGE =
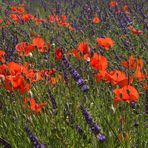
[(100, 76), (24, 48), (105, 43), (58, 54), (26, 17), (15, 17), (96, 20), (98, 62), (136, 64), (53, 18), (76, 53), (145, 86), (38, 76), (47, 73), (84, 48), (71, 28), (13, 8), (130, 63), (13, 77), (135, 31), (2, 53), (139, 63), (113, 4), (20, 10), (23, 5), (139, 75), (55, 80), (1, 21), (125, 8), (31, 103), (63, 18), (127, 93), (17, 77), (39, 42), (118, 77), (52, 71)]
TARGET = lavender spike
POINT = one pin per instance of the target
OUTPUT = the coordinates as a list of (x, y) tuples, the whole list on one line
[(100, 137), (80, 131), (95, 129), (5, 143), (75, 75), (53, 101), (34, 139)]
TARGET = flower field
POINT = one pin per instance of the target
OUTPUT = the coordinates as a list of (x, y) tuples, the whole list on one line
[(73, 74)]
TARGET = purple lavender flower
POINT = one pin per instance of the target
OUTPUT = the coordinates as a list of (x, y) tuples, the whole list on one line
[(65, 76), (100, 137), (5, 143), (95, 129), (53, 101), (75, 75), (34, 139), (15, 41), (80, 82), (80, 131), (85, 88)]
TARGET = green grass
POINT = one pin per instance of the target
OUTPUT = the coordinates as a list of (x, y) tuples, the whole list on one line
[(55, 130)]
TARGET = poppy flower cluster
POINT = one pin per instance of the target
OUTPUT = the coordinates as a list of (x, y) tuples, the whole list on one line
[(127, 92), (135, 64), (19, 9), (17, 77), (18, 14), (114, 5), (25, 48), (40, 44), (117, 77), (114, 77), (83, 50), (60, 20)]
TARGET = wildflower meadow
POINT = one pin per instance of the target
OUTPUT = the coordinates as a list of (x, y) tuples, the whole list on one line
[(73, 74)]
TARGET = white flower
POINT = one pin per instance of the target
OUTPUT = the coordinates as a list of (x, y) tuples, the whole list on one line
[(30, 54)]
